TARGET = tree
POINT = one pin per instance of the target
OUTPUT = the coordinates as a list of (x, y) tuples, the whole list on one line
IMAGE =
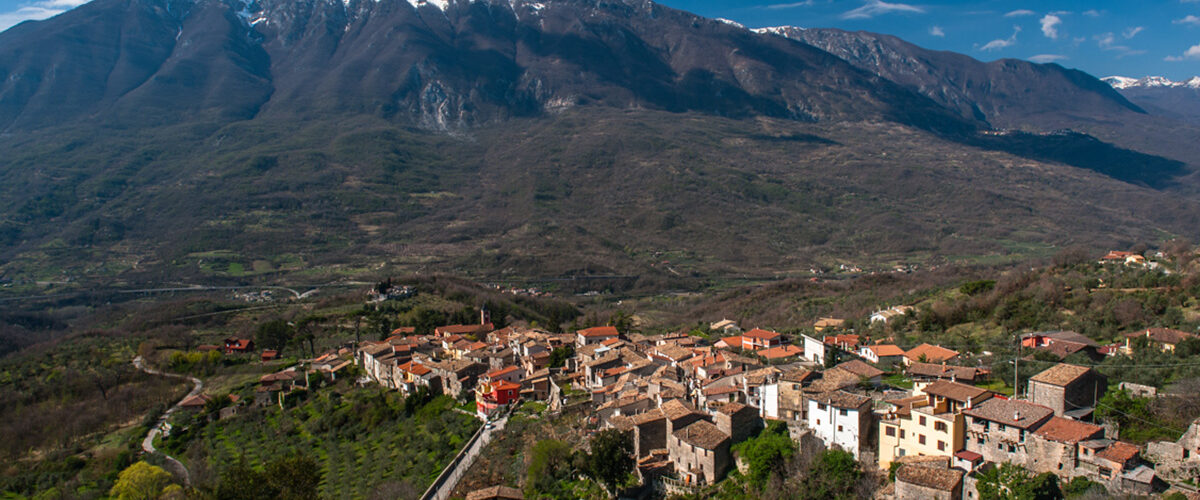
[(274, 334), (294, 476), (1013, 482), (834, 474), (611, 458), (140, 481), (767, 453), (549, 467), (560, 355)]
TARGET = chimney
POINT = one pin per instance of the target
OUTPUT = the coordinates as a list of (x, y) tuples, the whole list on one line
[(1016, 416)]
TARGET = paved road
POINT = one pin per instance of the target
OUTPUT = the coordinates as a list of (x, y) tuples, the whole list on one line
[(162, 427), (463, 465)]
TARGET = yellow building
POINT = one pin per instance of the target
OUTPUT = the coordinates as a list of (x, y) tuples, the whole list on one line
[(928, 424)]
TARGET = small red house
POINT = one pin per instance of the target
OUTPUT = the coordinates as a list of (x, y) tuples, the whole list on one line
[(234, 344), (490, 397), (269, 355)]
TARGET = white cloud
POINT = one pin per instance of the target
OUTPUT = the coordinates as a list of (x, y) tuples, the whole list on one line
[(1021, 12), (1132, 32), (1001, 43), (1192, 53), (876, 7), (1188, 19), (1108, 41), (1050, 24), (27, 13), (1091, 13), (937, 31), (1047, 58), (805, 3)]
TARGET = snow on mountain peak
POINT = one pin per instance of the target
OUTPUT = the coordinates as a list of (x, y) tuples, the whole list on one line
[(1124, 82)]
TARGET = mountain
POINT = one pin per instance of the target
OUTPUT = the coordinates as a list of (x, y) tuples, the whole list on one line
[(1161, 96), (440, 65), (1005, 93), (1015, 94), (165, 140)]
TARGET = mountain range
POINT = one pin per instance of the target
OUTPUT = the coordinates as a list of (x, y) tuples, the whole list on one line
[(153, 139), (1178, 100)]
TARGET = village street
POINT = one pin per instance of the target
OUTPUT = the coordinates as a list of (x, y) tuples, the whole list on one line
[(162, 427)]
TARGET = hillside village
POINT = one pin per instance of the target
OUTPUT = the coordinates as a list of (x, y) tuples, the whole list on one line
[(931, 418)]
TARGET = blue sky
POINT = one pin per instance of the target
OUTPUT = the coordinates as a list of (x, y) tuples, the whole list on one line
[(1114, 37), (1111, 37)]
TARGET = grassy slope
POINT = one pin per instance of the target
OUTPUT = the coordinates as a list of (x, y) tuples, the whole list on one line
[(601, 191)]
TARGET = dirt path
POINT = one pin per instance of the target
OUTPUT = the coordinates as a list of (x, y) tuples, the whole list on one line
[(162, 427)]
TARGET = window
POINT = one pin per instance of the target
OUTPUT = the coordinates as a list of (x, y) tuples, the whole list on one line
[(921, 438), (979, 441), (820, 406), (842, 412), (1000, 446), (1012, 449), (839, 428), (939, 426), (901, 433), (921, 420), (795, 387), (891, 431), (901, 453), (1021, 435), (818, 421), (941, 446), (1000, 427)]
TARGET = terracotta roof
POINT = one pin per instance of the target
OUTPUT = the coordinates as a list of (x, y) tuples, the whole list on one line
[(702, 434), (860, 368), (884, 350), (841, 399), (944, 371), (759, 333), (1062, 348), (955, 391), (676, 409), (732, 408), (1065, 430), (503, 385), (930, 477), (1004, 410), (833, 379), (1066, 336), (829, 323), (599, 331), (932, 353), (404, 330), (462, 329), (779, 352), (674, 352), (502, 372), (969, 456), (1061, 374), (798, 375), (1120, 452), (845, 338), (648, 417), (714, 391), (504, 492), (1162, 335)]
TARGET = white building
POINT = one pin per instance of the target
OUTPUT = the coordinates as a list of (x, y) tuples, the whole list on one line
[(768, 398), (814, 350), (840, 420), (890, 313)]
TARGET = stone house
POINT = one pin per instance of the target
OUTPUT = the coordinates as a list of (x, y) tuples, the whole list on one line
[(1000, 429), (1055, 446), (737, 420), (1068, 389), (791, 391), (919, 481), (929, 372), (700, 452)]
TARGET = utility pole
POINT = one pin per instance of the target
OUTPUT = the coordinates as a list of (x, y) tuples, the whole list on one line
[(1017, 369)]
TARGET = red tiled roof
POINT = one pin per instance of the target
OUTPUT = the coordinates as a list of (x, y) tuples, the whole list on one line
[(1065, 430), (969, 456), (502, 385), (759, 333), (884, 350), (783, 351), (599, 331), (1162, 335), (932, 353), (1120, 452)]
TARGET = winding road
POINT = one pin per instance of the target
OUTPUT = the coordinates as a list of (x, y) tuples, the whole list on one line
[(162, 427)]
